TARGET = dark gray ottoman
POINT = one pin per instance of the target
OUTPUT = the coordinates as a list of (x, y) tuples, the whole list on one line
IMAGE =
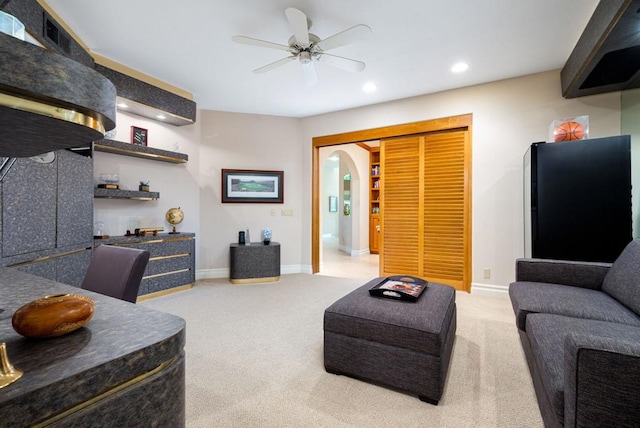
[(399, 344)]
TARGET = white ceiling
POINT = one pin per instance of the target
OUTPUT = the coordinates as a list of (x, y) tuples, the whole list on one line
[(410, 51)]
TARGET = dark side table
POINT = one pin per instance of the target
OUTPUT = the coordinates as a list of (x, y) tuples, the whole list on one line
[(254, 263)]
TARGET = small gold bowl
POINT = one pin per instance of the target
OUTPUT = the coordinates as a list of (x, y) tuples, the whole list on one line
[(53, 316)]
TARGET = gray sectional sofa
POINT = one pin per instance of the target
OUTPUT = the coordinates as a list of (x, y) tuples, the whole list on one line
[(579, 324)]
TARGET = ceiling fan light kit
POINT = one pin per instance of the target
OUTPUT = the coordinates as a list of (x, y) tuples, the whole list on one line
[(307, 47)]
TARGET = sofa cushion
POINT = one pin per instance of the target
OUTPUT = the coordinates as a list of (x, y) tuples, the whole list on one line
[(537, 297), (566, 272), (623, 280), (547, 334)]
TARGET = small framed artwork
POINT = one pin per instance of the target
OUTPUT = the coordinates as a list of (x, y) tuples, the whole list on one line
[(333, 204), (139, 136), (245, 185)]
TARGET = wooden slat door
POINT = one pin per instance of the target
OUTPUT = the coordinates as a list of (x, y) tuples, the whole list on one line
[(445, 208), (426, 208), (399, 201)]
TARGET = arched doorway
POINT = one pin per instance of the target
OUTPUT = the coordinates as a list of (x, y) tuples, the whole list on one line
[(343, 226)]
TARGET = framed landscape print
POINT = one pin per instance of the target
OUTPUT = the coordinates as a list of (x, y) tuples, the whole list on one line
[(245, 185)]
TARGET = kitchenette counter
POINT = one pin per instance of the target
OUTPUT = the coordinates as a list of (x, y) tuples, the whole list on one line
[(125, 367), (133, 239)]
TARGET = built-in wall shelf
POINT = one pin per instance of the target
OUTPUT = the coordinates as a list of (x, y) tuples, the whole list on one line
[(125, 194), (127, 149)]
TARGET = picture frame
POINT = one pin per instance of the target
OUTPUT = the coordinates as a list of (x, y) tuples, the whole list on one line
[(252, 186), (333, 204), (139, 136)]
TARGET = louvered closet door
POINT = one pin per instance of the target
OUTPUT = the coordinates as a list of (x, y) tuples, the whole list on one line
[(400, 199), (445, 209), (425, 208)]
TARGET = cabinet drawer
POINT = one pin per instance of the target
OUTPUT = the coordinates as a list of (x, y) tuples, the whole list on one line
[(169, 263), (45, 269), (67, 268), (144, 287), (170, 280), (169, 247)]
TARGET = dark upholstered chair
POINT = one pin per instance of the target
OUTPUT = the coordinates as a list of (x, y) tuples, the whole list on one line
[(116, 271)]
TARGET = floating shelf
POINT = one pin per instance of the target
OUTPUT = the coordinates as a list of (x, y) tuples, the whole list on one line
[(125, 194), (126, 149)]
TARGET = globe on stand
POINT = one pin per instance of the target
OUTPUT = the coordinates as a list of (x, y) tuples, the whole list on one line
[(174, 217)]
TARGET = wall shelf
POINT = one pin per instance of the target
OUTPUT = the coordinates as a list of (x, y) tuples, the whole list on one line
[(125, 194), (126, 149)]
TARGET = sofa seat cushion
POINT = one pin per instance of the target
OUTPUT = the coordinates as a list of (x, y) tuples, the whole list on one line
[(623, 279), (538, 297), (547, 334)]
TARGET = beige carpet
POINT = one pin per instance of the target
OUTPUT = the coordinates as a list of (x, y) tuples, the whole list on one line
[(254, 359)]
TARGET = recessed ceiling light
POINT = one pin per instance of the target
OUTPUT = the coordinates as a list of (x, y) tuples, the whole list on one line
[(369, 87), (123, 105), (161, 116), (460, 67)]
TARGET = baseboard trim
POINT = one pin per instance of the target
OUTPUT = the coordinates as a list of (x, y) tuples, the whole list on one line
[(212, 273), (224, 272), (163, 292), (356, 253), (490, 290)]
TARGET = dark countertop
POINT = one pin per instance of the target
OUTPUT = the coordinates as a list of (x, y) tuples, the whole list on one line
[(254, 244), (115, 240), (121, 341)]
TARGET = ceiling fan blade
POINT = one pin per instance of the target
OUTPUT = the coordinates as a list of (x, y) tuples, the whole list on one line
[(309, 72), (345, 37), (257, 42), (298, 22), (273, 65), (341, 62)]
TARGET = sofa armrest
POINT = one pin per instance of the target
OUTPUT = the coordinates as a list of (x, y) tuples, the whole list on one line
[(601, 380), (576, 274)]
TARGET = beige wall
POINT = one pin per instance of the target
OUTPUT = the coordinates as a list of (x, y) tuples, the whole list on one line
[(631, 125), (177, 183), (507, 117), (247, 141)]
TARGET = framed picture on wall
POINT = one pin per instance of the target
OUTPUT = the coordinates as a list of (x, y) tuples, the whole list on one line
[(245, 185), (333, 204), (139, 136)]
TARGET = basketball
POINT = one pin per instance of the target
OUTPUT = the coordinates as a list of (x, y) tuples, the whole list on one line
[(568, 131)]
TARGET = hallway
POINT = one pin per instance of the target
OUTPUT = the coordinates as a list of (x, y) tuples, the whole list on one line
[(340, 264)]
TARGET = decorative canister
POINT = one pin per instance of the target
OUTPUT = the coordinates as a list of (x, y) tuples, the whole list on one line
[(266, 236)]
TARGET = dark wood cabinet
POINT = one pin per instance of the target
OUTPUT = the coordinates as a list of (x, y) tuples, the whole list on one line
[(172, 261), (29, 198), (47, 216), (75, 200)]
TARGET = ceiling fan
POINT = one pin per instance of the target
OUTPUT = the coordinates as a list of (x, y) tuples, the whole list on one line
[(307, 47)]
